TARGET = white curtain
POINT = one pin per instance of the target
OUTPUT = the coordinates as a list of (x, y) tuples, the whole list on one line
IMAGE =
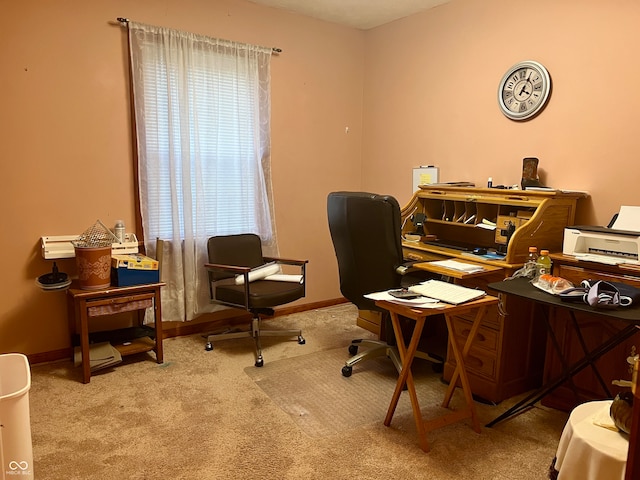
[(202, 111)]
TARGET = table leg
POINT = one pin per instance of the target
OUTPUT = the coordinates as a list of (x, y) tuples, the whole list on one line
[(157, 319), (550, 386), (587, 354), (465, 351), (406, 357), (84, 342), (460, 370)]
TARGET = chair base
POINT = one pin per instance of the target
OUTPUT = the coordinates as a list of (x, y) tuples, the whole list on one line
[(256, 332), (378, 349)]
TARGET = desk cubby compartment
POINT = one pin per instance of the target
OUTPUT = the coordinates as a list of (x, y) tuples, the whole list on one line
[(449, 211), (487, 211), (433, 209), (470, 213)]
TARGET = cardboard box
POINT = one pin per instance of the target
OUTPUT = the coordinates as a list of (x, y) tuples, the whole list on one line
[(127, 270), (502, 224)]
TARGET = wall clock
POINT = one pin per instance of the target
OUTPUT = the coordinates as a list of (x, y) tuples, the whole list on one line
[(524, 90)]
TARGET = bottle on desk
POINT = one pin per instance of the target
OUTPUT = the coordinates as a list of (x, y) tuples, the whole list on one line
[(118, 230), (530, 264), (543, 263)]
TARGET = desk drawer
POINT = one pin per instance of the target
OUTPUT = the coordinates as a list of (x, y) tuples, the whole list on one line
[(415, 254), (576, 274), (490, 319), (478, 363), (113, 305), (486, 338), (482, 356)]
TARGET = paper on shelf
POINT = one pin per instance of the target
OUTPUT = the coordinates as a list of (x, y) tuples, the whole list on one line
[(628, 219), (486, 226), (460, 266), (101, 355)]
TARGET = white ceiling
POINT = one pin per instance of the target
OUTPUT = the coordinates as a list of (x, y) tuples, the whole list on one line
[(362, 14)]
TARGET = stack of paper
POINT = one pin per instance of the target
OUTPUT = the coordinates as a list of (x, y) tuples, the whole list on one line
[(460, 266), (101, 355), (447, 292)]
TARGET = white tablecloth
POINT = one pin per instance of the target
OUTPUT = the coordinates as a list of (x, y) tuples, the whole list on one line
[(590, 452)]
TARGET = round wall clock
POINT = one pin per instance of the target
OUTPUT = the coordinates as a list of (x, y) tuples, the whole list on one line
[(524, 90)]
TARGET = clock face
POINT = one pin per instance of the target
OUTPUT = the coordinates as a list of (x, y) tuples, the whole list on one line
[(524, 90)]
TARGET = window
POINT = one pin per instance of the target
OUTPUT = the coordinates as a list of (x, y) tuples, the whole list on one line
[(202, 136), (202, 113)]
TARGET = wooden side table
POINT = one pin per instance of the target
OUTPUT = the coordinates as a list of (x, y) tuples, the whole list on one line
[(407, 355), (86, 304)]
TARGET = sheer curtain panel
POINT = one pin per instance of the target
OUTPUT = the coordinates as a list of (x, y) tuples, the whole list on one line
[(202, 112)]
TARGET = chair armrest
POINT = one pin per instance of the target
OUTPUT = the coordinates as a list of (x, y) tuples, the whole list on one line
[(227, 268), (286, 261)]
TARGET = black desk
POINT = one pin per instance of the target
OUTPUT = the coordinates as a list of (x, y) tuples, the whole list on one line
[(522, 287)]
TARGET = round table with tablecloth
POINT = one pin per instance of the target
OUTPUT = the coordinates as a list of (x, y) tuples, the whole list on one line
[(589, 451)]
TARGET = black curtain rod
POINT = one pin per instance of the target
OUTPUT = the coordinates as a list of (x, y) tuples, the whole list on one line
[(126, 20)]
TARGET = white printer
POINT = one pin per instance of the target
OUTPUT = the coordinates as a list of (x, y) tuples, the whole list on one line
[(602, 244)]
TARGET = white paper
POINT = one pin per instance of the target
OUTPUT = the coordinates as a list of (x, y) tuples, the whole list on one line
[(460, 266), (628, 219), (486, 226), (420, 302), (259, 272), (283, 277)]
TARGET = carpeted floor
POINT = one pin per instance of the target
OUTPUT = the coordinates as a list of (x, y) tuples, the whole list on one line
[(311, 389), (212, 415)]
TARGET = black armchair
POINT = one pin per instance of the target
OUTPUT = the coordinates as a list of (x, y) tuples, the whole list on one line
[(240, 277), (366, 233)]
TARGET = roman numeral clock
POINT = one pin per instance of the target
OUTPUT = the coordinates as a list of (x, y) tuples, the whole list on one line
[(524, 90)]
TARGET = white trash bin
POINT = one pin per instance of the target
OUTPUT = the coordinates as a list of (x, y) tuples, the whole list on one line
[(16, 451)]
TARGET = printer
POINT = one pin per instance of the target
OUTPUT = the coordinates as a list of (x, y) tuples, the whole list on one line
[(602, 244)]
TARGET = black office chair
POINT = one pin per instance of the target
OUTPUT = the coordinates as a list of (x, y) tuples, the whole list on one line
[(366, 233), (238, 277)]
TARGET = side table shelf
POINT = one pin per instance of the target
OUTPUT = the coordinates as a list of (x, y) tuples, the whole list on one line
[(83, 305)]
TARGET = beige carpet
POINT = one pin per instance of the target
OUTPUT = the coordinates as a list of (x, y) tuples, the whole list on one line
[(312, 390), (200, 416)]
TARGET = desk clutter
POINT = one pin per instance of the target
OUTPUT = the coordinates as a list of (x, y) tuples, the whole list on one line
[(104, 257), (133, 269)]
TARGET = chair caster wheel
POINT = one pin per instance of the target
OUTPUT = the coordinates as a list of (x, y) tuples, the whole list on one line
[(208, 347), (259, 362), (353, 349), (347, 370), (301, 340)]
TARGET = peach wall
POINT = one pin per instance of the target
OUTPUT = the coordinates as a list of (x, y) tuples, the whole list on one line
[(66, 135), (431, 98), (420, 90)]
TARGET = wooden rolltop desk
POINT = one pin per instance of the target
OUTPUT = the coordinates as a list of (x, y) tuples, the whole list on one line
[(439, 223)]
